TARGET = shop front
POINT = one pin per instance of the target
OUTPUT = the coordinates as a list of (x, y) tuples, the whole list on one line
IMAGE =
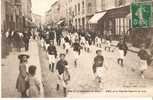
[(114, 22), (96, 23), (117, 22)]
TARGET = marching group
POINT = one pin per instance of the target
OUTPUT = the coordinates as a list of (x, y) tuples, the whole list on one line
[(28, 84), (78, 42)]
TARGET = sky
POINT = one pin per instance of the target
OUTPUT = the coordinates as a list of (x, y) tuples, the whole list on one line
[(41, 6)]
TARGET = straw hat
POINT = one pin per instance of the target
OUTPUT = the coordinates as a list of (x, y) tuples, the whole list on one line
[(20, 56)]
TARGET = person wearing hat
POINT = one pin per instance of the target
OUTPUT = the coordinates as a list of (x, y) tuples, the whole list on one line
[(98, 66), (60, 70), (21, 84), (76, 50), (122, 48), (26, 39), (143, 55), (52, 54)]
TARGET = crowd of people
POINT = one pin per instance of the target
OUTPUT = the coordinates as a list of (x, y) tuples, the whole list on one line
[(15, 40), (79, 41), (50, 39)]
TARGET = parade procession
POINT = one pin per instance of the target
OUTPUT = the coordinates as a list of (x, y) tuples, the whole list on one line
[(76, 48)]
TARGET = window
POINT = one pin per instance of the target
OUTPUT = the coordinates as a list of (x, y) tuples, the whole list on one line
[(82, 7), (89, 7), (79, 8), (75, 9)]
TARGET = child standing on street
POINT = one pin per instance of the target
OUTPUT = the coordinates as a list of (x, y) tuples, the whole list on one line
[(63, 75), (143, 55), (52, 54)]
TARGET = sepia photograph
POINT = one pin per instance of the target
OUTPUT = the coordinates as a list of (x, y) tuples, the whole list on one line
[(76, 48)]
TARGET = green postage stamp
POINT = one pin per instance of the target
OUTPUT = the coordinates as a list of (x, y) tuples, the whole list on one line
[(141, 14)]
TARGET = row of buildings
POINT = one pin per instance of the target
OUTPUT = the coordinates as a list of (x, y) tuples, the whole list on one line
[(17, 15), (111, 17)]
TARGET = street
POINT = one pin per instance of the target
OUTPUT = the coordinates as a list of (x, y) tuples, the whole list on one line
[(57, 48), (82, 78)]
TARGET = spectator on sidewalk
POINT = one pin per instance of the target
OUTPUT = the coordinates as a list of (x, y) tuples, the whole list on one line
[(143, 55), (11, 39), (52, 54), (7, 34), (62, 73), (34, 84), (26, 39), (4, 45), (21, 84), (19, 40)]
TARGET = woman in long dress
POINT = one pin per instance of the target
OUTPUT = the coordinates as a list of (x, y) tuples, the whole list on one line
[(21, 80)]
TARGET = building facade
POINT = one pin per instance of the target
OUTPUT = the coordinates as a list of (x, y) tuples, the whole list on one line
[(48, 17), (36, 19), (75, 13), (55, 12), (14, 14), (83, 10), (112, 17), (27, 13)]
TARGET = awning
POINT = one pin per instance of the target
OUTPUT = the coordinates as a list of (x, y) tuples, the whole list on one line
[(60, 22), (119, 12), (96, 18)]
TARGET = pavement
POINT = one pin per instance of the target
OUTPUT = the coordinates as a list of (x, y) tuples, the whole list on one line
[(10, 70), (48, 78), (115, 78)]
